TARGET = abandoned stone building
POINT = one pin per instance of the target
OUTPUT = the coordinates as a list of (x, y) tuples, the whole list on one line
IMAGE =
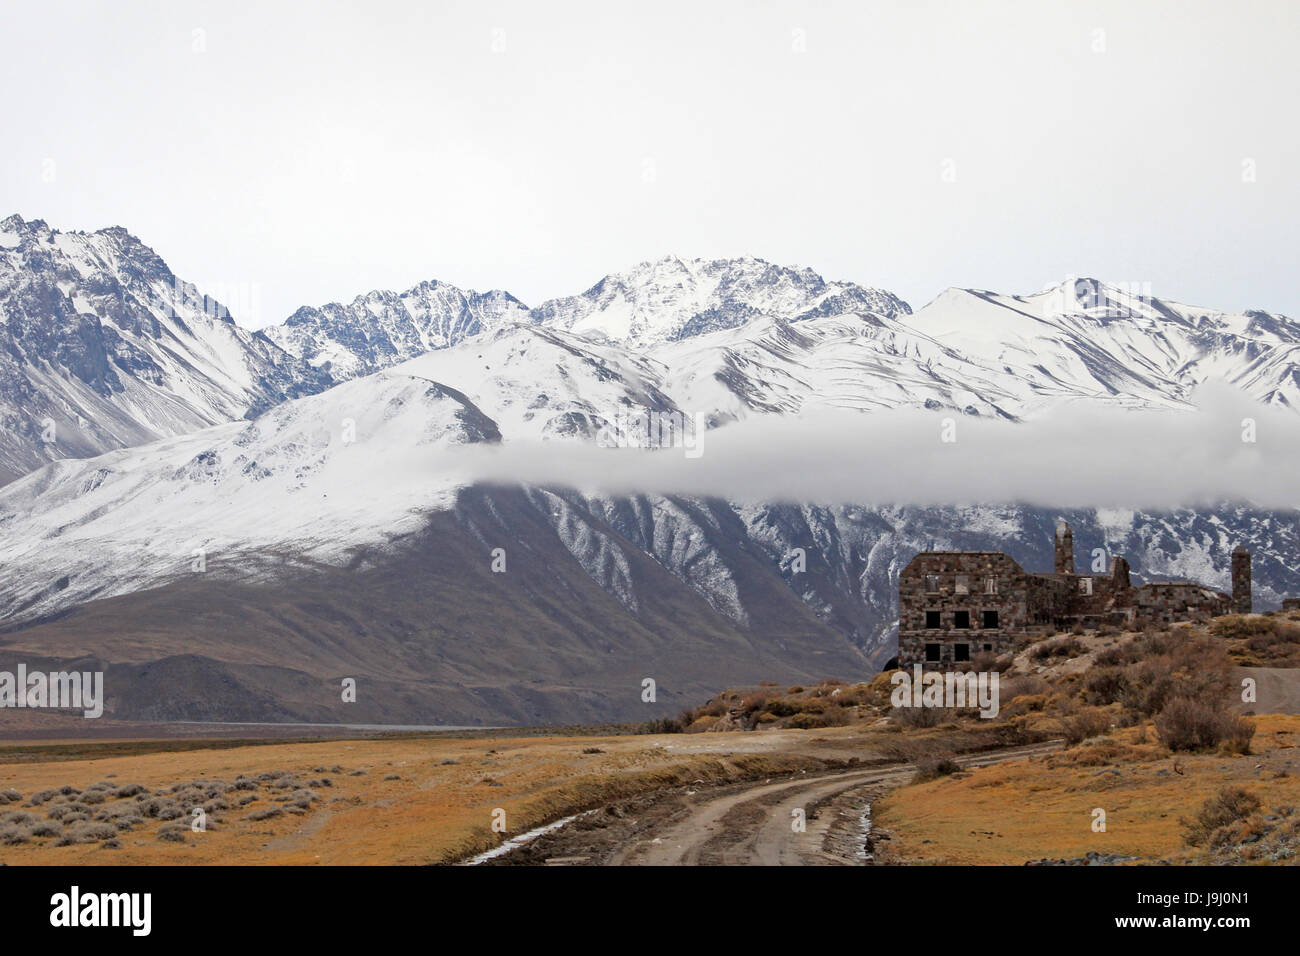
[(953, 605)]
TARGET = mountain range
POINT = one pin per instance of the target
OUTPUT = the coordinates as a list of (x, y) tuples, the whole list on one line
[(231, 522)]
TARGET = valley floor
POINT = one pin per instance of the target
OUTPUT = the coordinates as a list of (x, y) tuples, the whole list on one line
[(401, 800)]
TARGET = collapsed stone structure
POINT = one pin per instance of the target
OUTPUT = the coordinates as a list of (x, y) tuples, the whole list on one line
[(953, 605)]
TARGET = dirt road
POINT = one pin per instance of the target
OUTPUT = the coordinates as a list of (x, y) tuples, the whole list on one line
[(749, 824)]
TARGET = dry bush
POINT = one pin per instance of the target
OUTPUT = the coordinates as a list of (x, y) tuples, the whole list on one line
[(1085, 725), (174, 832), (919, 716), (10, 796), (783, 706), (1227, 807), (15, 833), (1097, 754), (1188, 724), (1104, 685), (1144, 675), (808, 720), (87, 832), (1029, 685), (933, 767), (1232, 626), (661, 725), (1066, 647)]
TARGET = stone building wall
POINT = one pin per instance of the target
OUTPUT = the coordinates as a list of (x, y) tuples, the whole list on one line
[(1168, 602), (931, 584), (953, 605)]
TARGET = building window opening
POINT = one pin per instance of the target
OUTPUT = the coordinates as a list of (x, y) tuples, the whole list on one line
[(963, 585), (932, 584), (990, 585), (932, 620), (961, 652), (991, 620), (1085, 585), (932, 652), (961, 619)]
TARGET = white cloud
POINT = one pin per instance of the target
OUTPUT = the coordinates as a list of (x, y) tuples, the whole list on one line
[(1077, 455)]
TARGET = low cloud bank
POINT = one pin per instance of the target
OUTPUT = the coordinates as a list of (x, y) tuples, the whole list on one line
[(1073, 455)]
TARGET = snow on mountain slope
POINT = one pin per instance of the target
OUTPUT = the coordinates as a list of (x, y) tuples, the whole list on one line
[(305, 482), (655, 302), (384, 328), (676, 298), (102, 347), (860, 362), (738, 337), (539, 383), (1084, 338)]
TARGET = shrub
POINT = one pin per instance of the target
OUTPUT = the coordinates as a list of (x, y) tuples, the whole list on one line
[(172, 832), (813, 720), (929, 768), (1067, 647), (46, 828), (1230, 805), (267, 814), (782, 707), (1187, 724), (918, 716), (10, 796), (1104, 685), (1027, 686), (1085, 725), (14, 834), (1243, 625), (87, 832), (661, 725)]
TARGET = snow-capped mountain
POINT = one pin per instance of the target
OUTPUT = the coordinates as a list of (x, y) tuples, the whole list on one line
[(251, 563), (103, 347), (1085, 338), (381, 329), (656, 302), (672, 299)]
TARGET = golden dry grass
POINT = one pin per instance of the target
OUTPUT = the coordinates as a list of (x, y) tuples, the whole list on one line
[(1043, 808), (436, 812)]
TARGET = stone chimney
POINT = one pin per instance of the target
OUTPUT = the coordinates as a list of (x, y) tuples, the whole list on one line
[(1064, 548), (1241, 602), (1119, 573)]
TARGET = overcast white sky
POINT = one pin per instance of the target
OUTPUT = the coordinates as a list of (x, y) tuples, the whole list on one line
[(315, 151)]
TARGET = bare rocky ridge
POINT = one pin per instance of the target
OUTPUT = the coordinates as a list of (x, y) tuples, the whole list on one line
[(103, 347)]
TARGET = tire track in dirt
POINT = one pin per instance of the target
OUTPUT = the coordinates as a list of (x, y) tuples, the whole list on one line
[(741, 824)]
